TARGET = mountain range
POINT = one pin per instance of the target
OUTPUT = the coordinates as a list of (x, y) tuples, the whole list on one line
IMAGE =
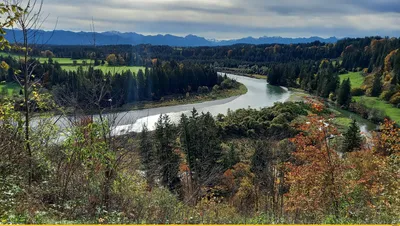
[(61, 37)]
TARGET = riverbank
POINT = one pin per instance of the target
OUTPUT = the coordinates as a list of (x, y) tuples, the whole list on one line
[(343, 118), (193, 98), (237, 71), (174, 100)]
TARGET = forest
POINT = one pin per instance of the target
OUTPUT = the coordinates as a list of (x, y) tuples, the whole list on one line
[(293, 162)]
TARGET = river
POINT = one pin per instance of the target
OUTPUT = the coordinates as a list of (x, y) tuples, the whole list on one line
[(259, 95)]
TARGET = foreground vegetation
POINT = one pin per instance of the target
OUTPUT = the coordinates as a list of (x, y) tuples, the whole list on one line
[(249, 166)]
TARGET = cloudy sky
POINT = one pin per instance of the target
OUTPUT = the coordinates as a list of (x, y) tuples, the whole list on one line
[(229, 19)]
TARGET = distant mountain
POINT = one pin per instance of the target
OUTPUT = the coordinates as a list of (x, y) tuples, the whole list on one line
[(60, 37)]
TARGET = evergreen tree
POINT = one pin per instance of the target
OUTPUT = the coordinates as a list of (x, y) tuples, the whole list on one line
[(141, 85), (344, 95), (201, 142), (167, 159), (352, 138), (147, 154), (262, 166), (377, 85), (231, 158)]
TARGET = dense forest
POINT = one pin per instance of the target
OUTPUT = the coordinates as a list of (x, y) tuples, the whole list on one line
[(294, 162), (75, 88)]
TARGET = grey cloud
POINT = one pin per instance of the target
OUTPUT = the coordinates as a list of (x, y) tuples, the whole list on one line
[(232, 18)]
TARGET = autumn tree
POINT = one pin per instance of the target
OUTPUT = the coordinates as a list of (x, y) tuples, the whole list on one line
[(315, 173), (112, 60), (9, 14), (29, 23), (387, 141)]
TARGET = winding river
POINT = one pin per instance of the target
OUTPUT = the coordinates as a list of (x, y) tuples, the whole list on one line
[(259, 95)]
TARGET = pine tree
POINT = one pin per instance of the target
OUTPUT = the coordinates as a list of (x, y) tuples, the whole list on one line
[(167, 159), (376, 86), (344, 95), (353, 139), (231, 158), (147, 154), (201, 142), (141, 85)]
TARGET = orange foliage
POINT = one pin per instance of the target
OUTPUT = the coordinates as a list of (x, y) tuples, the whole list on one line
[(230, 53), (388, 61), (154, 61), (387, 141), (315, 175)]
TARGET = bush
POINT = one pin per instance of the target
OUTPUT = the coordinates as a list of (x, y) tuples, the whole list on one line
[(386, 95), (216, 88), (343, 71), (376, 115), (357, 92), (203, 89), (226, 84), (395, 99)]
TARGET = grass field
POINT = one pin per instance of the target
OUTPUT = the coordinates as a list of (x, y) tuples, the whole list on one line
[(10, 88), (65, 61), (376, 103), (62, 61), (356, 79), (107, 69)]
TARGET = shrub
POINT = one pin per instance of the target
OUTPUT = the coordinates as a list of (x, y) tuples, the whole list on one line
[(386, 95), (357, 92), (226, 84), (395, 99), (203, 89), (216, 88), (376, 115), (343, 71)]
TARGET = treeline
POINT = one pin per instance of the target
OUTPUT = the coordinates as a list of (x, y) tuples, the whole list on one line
[(365, 52), (92, 87), (127, 87)]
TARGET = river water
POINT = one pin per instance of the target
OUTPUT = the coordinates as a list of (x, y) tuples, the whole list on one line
[(259, 95)]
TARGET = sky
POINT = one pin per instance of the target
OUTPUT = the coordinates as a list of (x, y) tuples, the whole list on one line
[(228, 19)]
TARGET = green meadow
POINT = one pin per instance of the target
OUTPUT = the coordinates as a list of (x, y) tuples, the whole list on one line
[(376, 103), (356, 79), (106, 69)]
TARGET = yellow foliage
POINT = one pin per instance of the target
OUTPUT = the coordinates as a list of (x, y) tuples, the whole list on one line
[(388, 60)]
